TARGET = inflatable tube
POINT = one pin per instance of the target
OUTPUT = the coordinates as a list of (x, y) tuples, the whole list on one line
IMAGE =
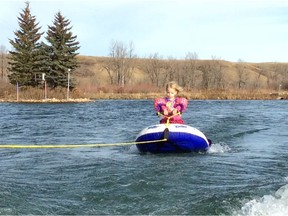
[(180, 138)]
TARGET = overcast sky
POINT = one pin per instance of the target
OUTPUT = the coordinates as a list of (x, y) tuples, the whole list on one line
[(253, 31)]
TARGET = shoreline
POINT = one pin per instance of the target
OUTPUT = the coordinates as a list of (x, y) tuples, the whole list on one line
[(143, 96), (53, 100)]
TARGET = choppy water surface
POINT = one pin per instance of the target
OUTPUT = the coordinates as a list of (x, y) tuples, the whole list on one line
[(244, 173)]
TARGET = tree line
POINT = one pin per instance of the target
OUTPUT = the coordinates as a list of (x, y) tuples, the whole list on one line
[(191, 72), (31, 61)]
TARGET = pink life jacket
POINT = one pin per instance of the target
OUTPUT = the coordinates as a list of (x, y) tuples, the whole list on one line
[(160, 104)]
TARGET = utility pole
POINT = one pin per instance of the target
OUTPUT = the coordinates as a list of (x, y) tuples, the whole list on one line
[(68, 84), (17, 91), (45, 86)]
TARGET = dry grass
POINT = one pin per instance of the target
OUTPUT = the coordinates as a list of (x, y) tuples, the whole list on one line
[(32, 95), (92, 82)]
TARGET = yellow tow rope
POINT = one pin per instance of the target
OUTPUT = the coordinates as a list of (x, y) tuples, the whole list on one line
[(7, 146), (79, 145)]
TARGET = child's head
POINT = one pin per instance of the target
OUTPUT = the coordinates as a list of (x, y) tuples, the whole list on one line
[(172, 89)]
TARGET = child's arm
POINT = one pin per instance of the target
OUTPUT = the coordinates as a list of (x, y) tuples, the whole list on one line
[(181, 104), (160, 106)]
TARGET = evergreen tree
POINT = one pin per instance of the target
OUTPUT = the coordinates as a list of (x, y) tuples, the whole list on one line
[(61, 52), (24, 59)]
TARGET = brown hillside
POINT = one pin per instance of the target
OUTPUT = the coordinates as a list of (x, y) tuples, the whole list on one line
[(259, 80), (92, 73)]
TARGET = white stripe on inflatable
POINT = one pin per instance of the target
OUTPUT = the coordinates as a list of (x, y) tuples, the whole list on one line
[(172, 128)]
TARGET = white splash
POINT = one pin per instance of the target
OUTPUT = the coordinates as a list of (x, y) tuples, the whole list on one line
[(218, 148), (272, 205)]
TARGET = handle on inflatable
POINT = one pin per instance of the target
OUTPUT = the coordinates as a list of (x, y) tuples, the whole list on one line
[(168, 117), (161, 114)]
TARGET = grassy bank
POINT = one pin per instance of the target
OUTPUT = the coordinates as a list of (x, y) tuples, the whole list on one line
[(198, 95), (62, 96)]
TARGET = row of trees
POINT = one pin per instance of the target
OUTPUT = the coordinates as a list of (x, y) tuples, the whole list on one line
[(123, 62), (191, 72), (32, 61)]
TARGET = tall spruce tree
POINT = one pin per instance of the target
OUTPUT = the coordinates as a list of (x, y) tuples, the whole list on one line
[(61, 52), (24, 59)]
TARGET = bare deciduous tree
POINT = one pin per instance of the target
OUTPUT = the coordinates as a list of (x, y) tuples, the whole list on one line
[(205, 69), (268, 73), (3, 62), (217, 77), (188, 76), (120, 67), (281, 73), (154, 68), (242, 73), (172, 70)]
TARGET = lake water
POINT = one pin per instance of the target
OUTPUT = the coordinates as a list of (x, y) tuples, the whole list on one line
[(245, 172)]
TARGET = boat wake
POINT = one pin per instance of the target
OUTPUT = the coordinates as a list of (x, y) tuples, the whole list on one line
[(218, 148), (275, 204), (243, 133)]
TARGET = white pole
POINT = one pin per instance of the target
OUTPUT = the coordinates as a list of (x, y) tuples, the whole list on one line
[(17, 91), (45, 90), (68, 84), (45, 86)]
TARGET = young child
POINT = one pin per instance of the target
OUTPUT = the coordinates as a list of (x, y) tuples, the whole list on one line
[(171, 105)]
